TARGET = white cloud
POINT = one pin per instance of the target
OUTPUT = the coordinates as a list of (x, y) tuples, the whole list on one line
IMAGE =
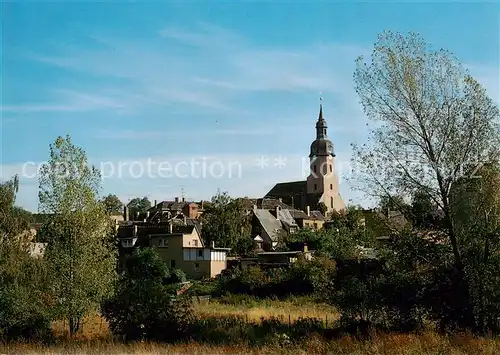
[(223, 66)]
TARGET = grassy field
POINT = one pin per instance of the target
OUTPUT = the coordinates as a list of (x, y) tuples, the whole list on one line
[(96, 338), (252, 309), (408, 344)]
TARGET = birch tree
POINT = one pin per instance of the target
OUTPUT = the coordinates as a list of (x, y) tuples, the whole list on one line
[(432, 121), (80, 253)]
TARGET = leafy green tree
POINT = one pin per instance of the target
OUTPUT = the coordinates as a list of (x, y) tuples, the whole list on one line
[(225, 222), (13, 219), (322, 208), (113, 204), (143, 306), (433, 119), (24, 295), (80, 254), (138, 206)]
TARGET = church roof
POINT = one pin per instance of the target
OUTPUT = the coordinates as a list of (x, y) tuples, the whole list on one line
[(297, 190)]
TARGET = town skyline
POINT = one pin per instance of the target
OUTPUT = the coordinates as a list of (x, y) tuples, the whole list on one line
[(179, 83)]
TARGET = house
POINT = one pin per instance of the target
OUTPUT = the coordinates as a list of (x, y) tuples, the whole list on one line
[(168, 209), (278, 219), (178, 243), (322, 185), (283, 258)]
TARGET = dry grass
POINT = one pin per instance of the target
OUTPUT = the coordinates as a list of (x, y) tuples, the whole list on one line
[(94, 327), (96, 338), (407, 344), (266, 309)]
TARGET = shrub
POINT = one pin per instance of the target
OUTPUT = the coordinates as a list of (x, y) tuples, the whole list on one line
[(143, 307)]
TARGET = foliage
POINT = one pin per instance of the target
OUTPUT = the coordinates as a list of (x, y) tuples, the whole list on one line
[(13, 219), (24, 294), (302, 278), (226, 223), (113, 204), (143, 307), (435, 126), (322, 208), (138, 206), (80, 255)]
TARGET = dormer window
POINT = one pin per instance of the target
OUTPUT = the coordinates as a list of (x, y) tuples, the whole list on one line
[(163, 242)]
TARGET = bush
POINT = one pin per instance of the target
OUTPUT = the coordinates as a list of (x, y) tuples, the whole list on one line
[(302, 278), (24, 298), (143, 307)]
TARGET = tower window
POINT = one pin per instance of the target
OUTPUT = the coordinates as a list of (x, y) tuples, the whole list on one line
[(331, 202), (315, 187), (314, 168), (325, 169), (331, 186), (331, 168)]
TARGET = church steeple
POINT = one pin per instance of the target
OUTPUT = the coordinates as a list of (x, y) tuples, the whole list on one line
[(321, 125), (322, 145)]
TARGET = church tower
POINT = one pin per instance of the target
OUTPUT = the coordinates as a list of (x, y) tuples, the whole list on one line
[(323, 182)]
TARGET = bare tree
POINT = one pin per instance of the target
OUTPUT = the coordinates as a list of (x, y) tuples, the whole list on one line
[(432, 121)]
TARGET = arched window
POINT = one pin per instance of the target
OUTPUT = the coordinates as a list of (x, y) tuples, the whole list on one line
[(331, 186), (331, 202), (331, 167)]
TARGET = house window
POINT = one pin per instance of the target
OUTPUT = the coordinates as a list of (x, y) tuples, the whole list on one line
[(195, 242), (196, 267), (315, 187), (127, 243), (331, 186), (163, 242), (172, 264), (200, 253)]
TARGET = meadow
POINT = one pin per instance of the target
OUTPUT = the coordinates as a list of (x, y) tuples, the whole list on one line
[(95, 337)]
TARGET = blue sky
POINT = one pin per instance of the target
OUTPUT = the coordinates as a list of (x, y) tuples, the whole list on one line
[(225, 82)]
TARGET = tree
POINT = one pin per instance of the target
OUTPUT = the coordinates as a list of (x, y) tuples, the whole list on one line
[(138, 206), (112, 204), (322, 208), (23, 292), (80, 254), (13, 219), (143, 307), (433, 119), (225, 222)]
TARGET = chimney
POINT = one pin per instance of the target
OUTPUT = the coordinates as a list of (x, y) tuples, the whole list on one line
[(155, 203), (176, 199), (125, 213), (254, 208), (170, 227), (135, 230), (185, 220), (183, 199), (308, 210), (280, 199), (277, 210), (147, 214)]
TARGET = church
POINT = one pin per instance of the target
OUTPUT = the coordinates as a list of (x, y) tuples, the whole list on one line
[(322, 184)]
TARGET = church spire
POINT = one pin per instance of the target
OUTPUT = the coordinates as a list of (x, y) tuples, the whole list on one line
[(321, 124), (320, 117)]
